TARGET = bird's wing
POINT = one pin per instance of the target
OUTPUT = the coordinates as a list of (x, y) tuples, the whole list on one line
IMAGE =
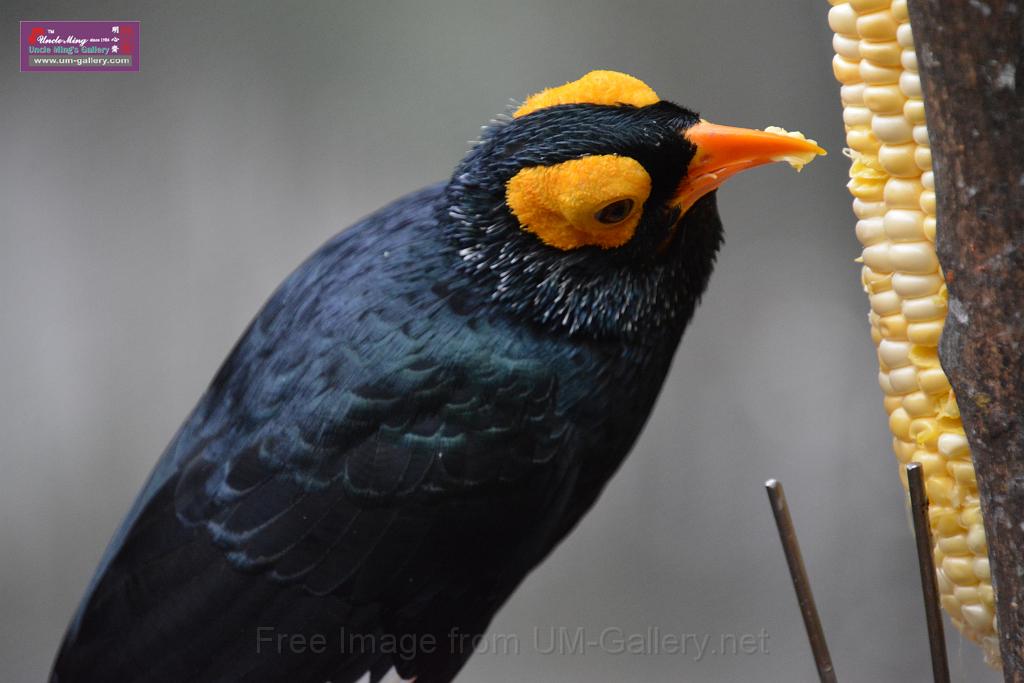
[(349, 447), (328, 470)]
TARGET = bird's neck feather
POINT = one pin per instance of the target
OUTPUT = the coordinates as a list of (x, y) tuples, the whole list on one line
[(508, 271)]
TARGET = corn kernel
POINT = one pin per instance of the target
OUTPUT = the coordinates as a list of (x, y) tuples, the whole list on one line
[(865, 6), (898, 160), (951, 605), (981, 568), (843, 19), (960, 570), (876, 282), (978, 616), (957, 545), (904, 36), (883, 382), (963, 473), (904, 380), (885, 303), (927, 202), (855, 116), (865, 209), (884, 99), (908, 58), (946, 587), (899, 422), (924, 357), (932, 380), (876, 74), (925, 431), (877, 26), (944, 522), (920, 404), (921, 135), (846, 71), (914, 111), (846, 47), (894, 130), (913, 257), (953, 445), (871, 231), (852, 95), (904, 450), (902, 193), (911, 286), (894, 354), (883, 54), (893, 327), (904, 225), (929, 229), (925, 308), (876, 257), (971, 517), (927, 334), (862, 140), (923, 158)]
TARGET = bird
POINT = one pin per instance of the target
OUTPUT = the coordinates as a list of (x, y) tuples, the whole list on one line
[(425, 407)]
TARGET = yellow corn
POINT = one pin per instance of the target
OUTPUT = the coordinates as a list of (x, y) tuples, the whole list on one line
[(894, 202)]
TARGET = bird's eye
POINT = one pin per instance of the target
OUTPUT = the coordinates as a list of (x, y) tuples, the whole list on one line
[(615, 212)]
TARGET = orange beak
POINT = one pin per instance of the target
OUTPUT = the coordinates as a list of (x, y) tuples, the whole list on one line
[(724, 151)]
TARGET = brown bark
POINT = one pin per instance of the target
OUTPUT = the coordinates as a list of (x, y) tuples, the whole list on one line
[(970, 57)]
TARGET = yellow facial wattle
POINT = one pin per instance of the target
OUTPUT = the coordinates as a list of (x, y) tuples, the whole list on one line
[(575, 203)]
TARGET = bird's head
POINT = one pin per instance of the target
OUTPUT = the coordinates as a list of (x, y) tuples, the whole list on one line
[(592, 207)]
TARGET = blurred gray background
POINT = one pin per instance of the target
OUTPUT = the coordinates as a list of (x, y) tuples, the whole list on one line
[(145, 217)]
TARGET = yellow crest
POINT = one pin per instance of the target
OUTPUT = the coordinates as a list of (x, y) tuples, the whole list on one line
[(597, 87)]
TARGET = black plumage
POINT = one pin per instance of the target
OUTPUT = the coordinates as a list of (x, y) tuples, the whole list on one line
[(417, 416)]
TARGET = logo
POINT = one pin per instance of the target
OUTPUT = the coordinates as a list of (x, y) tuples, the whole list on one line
[(80, 45)]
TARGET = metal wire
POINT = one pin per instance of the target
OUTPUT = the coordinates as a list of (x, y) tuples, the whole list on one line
[(802, 585)]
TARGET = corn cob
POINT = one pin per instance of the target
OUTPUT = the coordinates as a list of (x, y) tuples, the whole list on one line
[(894, 202)]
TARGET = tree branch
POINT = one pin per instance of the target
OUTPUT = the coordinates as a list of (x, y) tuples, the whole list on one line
[(970, 56)]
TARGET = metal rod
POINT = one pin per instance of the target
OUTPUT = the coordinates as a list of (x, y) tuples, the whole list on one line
[(926, 564), (802, 585)]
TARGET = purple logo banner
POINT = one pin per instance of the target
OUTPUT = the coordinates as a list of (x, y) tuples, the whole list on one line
[(79, 46)]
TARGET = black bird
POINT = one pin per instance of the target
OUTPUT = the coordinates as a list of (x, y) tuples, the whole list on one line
[(425, 407)]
